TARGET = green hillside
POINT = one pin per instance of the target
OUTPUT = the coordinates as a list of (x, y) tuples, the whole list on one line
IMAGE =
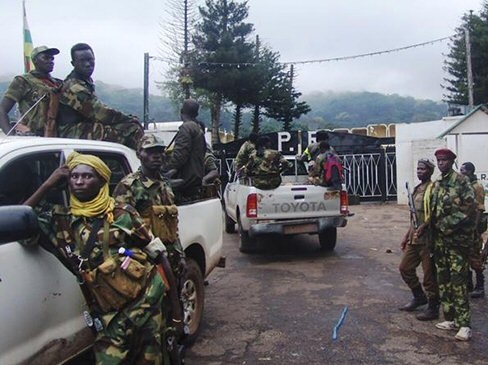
[(329, 109)]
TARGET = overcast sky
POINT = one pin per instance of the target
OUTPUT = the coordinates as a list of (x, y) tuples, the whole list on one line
[(120, 31)]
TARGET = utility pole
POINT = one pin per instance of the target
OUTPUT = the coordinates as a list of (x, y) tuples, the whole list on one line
[(469, 69), (146, 91), (186, 86)]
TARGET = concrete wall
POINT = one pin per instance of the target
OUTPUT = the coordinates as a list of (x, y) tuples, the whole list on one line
[(414, 141)]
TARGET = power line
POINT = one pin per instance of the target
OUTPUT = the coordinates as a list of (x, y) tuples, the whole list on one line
[(344, 58)]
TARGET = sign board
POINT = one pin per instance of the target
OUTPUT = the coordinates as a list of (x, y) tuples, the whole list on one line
[(483, 177)]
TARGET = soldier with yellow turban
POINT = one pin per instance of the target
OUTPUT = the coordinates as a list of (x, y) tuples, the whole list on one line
[(103, 241)]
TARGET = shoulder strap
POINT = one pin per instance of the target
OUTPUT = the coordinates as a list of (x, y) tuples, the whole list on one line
[(90, 243)]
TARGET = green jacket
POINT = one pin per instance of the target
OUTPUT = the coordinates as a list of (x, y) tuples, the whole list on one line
[(453, 209), (26, 90)]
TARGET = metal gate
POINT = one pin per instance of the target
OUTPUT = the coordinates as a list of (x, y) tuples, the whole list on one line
[(370, 176), (370, 163)]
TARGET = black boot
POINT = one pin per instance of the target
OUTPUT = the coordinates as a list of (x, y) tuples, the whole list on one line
[(431, 312), (479, 290), (418, 299)]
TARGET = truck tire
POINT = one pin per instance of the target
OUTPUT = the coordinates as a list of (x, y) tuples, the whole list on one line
[(230, 225), (192, 298), (247, 244), (328, 239)]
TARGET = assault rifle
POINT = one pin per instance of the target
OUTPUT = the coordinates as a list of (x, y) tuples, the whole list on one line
[(413, 210)]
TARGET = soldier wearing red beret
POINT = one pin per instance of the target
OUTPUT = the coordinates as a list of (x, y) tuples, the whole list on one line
[(451, 216), (445, 153)]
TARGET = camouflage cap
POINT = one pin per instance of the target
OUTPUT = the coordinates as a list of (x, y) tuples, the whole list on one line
[(44, 49), (427, 162), (150, 140)]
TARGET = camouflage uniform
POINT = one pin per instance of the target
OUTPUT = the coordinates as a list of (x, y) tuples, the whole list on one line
[(141, 192), (26, 90), (132, 334), (244, 153), (213, 189), (452, 223), (265, 169), (418, 251), (312, 152), (83, 115)]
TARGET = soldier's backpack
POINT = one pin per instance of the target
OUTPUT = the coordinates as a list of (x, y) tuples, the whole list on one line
[(333, 171)]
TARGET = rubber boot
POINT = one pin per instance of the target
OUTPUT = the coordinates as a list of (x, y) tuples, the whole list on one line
[(479, 290), (418, 300), (431, 312)]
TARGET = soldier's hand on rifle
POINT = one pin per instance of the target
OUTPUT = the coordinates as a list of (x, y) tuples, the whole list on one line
[(420, 231), (60, 174)]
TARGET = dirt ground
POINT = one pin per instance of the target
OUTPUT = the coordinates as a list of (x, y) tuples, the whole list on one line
[(280, 305)]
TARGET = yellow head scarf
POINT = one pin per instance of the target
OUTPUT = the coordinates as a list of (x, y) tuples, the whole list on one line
[(102, 204)]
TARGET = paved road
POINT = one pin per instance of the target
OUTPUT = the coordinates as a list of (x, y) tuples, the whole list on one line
[(280, 306)]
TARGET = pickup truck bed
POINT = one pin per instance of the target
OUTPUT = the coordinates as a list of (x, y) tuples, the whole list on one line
[(295, 207)]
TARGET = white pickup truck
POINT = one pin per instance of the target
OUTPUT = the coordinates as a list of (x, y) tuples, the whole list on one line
[(41, 304), (294, 207)]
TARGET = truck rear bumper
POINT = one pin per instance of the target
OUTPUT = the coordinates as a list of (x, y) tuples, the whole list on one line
[(315, 225)]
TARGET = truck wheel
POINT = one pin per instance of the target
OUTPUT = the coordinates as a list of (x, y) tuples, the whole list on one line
[(247, 244), (230, 225), (328, 239), (192, 297)]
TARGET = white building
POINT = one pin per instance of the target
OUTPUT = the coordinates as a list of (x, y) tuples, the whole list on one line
[(466, 136)]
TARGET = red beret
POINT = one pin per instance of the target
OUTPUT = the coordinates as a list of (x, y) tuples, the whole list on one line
[(445, 152)]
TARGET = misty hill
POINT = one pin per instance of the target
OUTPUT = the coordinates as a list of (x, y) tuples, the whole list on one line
[(329, 109)]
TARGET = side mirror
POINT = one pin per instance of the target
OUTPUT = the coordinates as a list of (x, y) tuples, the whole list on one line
[(17, 222)]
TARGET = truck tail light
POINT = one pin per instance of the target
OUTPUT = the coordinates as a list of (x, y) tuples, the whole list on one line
[(252, 206), (344, 203)]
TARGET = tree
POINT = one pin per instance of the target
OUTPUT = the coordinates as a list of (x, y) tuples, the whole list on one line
[(456, 63), (283, 104), (221, 49), (176, 31)]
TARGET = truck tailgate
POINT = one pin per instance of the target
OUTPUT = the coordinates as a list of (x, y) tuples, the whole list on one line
[(297, 201)]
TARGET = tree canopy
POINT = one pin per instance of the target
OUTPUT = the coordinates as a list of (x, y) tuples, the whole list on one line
[(456, 62), (234, 70)]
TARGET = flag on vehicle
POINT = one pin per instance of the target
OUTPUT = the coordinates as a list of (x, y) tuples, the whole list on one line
[(28, 46)]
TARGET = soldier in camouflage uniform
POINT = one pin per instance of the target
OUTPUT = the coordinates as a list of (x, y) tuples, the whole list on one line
[(35, 89), (265, 165), (148, 187), (83, 115), (211, 180), (451, 214), (245, 151), (416, 247), (313, 149), (131, 321), (475, 261)]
